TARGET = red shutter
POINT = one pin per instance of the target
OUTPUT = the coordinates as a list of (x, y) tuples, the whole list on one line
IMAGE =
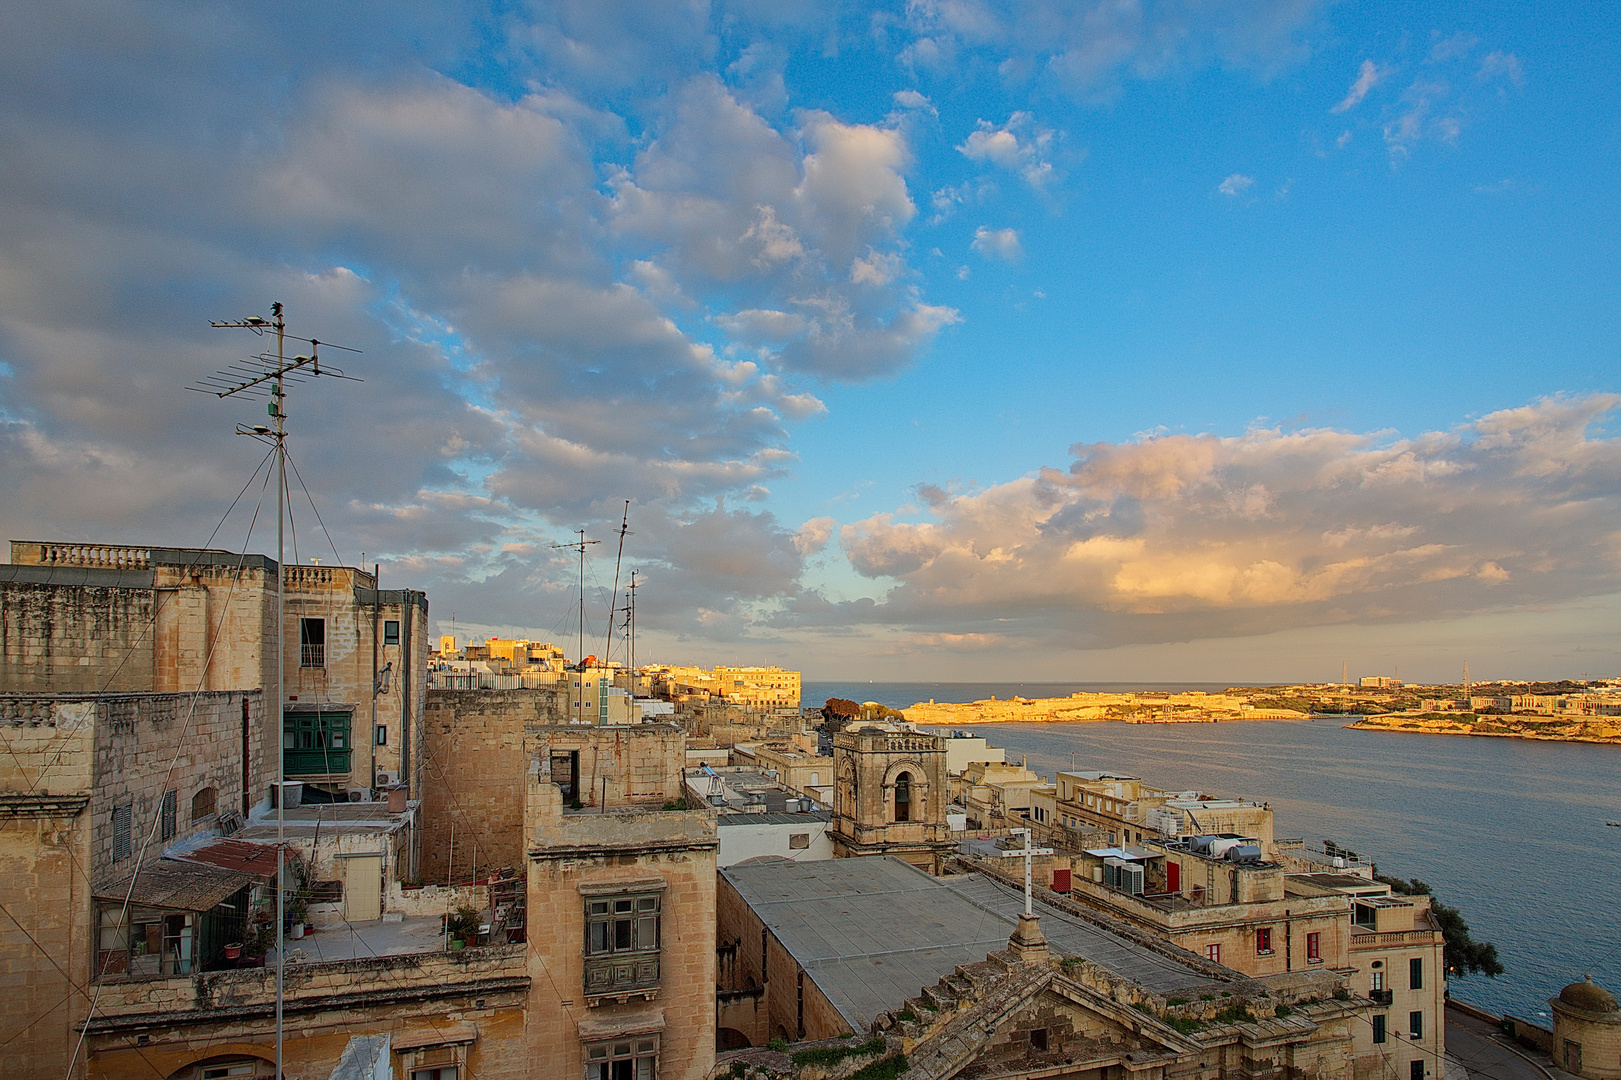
[(1061, 880), (1173, 877)]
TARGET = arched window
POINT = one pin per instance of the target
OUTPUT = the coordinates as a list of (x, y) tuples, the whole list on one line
[(903, 797), (204, 803)]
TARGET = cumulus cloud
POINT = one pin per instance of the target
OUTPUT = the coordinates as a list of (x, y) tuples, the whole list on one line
[(1367, 78), (1182, 537), (1019, 146), (997, 243), (1235, 185)]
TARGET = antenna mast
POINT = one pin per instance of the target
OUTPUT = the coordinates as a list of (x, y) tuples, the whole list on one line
[(613, 597), (580, 545), (259, 376), (630, 619)]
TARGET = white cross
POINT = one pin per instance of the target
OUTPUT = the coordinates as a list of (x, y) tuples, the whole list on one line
[(1026, 851)]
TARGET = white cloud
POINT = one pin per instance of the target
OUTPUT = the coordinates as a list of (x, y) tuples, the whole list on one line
[(1235, 185), (911, 99), (997, 243), (1367, 78), (1019, 146)]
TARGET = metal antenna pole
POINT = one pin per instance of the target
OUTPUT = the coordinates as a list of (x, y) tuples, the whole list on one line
[(251, 378), (580, 545)]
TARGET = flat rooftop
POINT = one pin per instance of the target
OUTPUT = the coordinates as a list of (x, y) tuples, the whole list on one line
[(330, 819), (872, 932)]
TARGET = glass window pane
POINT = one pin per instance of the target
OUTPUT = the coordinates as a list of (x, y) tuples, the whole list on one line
[(622, 934)]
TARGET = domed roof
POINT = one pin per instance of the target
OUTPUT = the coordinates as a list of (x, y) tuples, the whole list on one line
[(1589, 996)]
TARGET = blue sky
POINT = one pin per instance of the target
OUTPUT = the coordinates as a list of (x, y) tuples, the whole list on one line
[(1101, 340)]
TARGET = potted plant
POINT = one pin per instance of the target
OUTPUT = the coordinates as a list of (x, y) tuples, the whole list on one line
[(298, 913), (462, 927), (233, 950)]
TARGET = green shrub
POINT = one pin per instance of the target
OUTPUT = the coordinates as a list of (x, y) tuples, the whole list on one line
[(1282, 1011), (1234, 1013), (1171, 1001), (1185, 1025), (1207, 997), (832, 1055), (1342, 994), (778, 1044)]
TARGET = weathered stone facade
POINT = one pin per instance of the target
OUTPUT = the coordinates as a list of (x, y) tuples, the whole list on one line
[(890, 795), (83, 802), (78, 618), (474, 763)]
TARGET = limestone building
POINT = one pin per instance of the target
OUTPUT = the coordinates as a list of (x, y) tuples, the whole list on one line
[(890, 795), (1587, 1031), (89, 618)]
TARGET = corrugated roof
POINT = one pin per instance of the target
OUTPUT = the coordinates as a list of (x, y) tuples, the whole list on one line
[(259, 859), (178, 886)]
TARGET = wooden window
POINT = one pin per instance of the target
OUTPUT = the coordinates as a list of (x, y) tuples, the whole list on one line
[(121, 830), (1378, 1028), (628, 1059), (166, 826), (204, 803), (1314, 946), (1263, 941), (1212, 952), (1415, 1024), (1415, 973), (622, 941)]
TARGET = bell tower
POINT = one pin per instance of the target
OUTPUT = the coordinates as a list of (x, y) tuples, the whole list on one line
[(889, 795)]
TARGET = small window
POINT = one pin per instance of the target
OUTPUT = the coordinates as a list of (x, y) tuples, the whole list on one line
[(1415, 1069), (632, 1059), (391, 631), (798, 841), (1263, 941), (1038, 1040), (166, 827), (1378, 981), (1415, 973), (204, 803), (382, 734), (1314, 946), (1212, 952), (121, 831), (312, 643), (1415, 1025), (1363, 915), (1378, 1028)]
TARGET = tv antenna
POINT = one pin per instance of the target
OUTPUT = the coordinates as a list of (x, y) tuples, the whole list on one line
[(580, 545), (630, 621), (268, 374)]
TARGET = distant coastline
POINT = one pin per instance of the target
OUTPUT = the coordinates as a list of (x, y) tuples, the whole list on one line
[(1583, 729)]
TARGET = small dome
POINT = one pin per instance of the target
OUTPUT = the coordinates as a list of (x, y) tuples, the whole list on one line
[(1589, 996)]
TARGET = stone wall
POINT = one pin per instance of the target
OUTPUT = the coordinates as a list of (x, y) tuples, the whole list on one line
[(473, 761), (45, 782), (148, 744), (475, 995), (82, 638)]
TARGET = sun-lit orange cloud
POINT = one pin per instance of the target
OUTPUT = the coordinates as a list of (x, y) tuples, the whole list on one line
[(1202, 533)]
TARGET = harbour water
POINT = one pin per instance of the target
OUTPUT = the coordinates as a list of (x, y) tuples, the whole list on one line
[(1509, 831)]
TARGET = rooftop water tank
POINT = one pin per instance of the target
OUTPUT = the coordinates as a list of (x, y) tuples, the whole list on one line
[(1244, 853)]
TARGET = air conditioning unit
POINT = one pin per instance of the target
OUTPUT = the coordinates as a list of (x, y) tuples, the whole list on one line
[(359, 795), (386, 778)]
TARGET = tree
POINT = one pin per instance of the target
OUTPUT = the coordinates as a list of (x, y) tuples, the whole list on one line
[(1464, 955), (838, 712)]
